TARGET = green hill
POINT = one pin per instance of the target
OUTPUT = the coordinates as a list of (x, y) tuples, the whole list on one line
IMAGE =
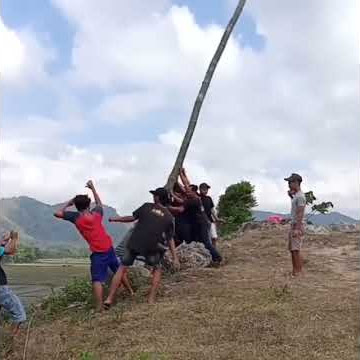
[(36, 223)]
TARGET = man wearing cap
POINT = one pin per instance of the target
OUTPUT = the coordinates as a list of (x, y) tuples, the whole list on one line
[(199, 222), (209, 209), (151, 237), (297, 231)]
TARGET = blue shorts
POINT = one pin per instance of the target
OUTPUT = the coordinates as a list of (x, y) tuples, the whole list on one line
[(101, 262), (12, 305)]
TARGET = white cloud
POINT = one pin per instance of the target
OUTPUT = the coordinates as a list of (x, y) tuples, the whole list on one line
[(23, 58), (30, 170), (172, 137), (293, 107), (149, 51), (128, 106), (13, 51)]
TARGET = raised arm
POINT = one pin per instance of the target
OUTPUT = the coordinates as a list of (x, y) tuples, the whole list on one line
[(60, 213), (184, 179), (177, 197), (97, 199), (178, 188), (122, 219)]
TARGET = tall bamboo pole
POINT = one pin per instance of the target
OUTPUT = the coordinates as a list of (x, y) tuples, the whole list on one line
[(201, 96)]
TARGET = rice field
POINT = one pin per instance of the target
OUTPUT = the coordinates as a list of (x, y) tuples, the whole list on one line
[(31, 282)]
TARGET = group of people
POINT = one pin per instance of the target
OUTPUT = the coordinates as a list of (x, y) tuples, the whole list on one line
[(185, 214)]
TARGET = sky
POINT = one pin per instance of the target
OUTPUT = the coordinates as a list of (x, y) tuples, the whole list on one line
[(104, 90)]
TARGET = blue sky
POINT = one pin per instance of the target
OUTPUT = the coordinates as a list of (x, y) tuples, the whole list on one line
[(105, 91)]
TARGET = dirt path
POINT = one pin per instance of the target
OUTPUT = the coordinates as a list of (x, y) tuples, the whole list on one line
[(247, 309)]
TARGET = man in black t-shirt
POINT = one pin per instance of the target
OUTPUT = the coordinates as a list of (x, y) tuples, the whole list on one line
[(200, 224), (182, 221), (151, 237), (199, 221), (209, 209)]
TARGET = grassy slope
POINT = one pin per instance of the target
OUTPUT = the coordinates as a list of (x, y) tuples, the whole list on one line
[(248, 309)]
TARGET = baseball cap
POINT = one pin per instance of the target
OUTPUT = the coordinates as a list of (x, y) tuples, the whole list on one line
[(160, 192), (204, 186), (194, 187), (163, 195), (294, 177)]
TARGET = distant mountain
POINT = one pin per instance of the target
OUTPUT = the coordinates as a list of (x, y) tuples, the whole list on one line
[(319, 219), (36, 223)]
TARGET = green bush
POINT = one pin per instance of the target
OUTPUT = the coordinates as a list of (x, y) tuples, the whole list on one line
[(86, 355), (235, 206), (26, 254), (77, 291)]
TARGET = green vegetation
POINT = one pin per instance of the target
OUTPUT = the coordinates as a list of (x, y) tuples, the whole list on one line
[(26, 254), (78, 291), (86, 355), (321, 208), (29, 253), (235, 206)]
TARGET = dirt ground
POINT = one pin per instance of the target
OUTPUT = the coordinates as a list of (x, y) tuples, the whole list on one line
[(247, 309)]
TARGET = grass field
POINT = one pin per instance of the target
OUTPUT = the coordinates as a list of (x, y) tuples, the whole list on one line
[(32, 282), (247, 309)]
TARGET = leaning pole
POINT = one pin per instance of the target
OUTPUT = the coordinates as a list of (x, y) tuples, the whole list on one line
[(201, 96)]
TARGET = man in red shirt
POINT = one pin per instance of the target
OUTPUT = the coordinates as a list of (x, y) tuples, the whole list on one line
[(89, 224)]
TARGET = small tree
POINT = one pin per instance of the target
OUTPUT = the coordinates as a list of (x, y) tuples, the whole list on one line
[(235, 206), (322, 208)]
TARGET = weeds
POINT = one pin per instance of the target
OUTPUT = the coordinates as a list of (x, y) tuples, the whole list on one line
[(86, 355), (78, 292), (282, 293), (149, 356)]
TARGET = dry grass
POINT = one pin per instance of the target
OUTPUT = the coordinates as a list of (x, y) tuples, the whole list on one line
[(247, 309)]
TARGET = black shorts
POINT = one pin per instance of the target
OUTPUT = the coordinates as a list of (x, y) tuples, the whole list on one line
[(183, 232), (153, 259), (200, 232)]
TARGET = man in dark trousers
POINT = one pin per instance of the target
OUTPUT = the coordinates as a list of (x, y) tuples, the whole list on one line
[(182, 219), (200, 224), (209, 209), (151, 237)]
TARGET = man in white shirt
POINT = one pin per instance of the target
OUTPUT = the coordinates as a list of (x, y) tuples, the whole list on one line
[(297, 231)]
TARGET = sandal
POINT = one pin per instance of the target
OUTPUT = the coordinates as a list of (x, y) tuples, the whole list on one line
[(107, 306)]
